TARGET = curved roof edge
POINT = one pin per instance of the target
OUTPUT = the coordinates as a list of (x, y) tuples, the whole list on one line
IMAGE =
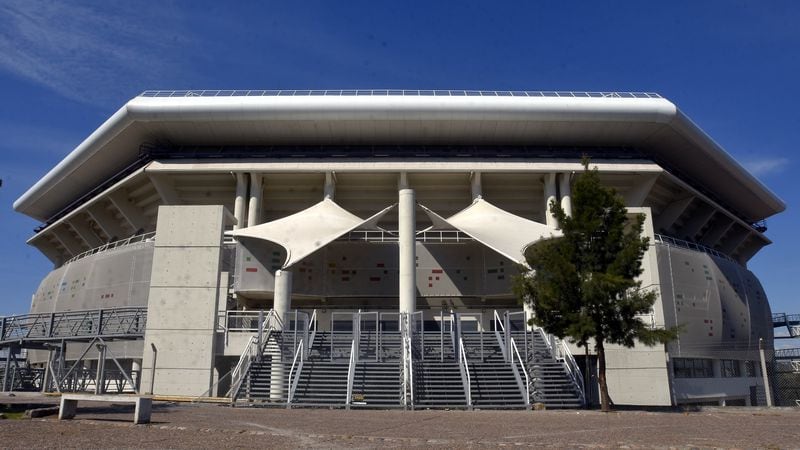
[(412, 110)]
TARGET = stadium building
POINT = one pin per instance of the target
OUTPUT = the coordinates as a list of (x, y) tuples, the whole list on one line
[(357, 248)]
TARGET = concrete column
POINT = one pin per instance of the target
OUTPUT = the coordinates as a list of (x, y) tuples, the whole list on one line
[(282, 304), (407, 242), (184, 299), (136, 366), (475, 186), (254, 207), (330, 185), (240, 200), (566, 193), (549, 196)]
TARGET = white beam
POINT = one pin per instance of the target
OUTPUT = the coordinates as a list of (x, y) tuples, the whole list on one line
[(165, 189), (49, 250), (476, 187), (84, 232), (241, 200), (699, 219), (637, 195), (672, 213), (566, 192), (407, 247), (721, 226), (550, 197), (256, 195), (106, 222), (330, 185), (70, 243), (129, 211)]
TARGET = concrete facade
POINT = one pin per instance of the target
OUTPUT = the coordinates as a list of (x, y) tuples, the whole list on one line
[(184, 299)]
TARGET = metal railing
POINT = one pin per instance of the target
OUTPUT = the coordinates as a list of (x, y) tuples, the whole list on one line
[(139, 238), (252, 351), (446, 236), (124, 322), (351, 371), (515, 352), (680, 243), (564, 354), (466, 378), (393, 92), (294, 377)]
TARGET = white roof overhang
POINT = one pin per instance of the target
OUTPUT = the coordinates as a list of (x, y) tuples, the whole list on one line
[(309, 230), (653, 125), (503, 232)]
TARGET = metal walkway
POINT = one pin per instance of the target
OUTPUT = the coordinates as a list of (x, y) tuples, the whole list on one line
[(790, 321), (34, 330)]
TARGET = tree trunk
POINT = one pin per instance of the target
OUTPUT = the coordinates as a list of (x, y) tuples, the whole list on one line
[(605, 404)]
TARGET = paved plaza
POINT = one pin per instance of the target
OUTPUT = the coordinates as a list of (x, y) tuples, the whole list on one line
[(186, 425)]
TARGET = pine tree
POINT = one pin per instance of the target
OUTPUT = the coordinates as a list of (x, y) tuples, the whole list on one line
[(583, 285)]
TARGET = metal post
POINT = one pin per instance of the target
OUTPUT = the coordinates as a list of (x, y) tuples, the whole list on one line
[(5, 372), (764, 373), (2, 328), (47, 370), (153, 370), (507, 336), (441, 336), (260, 331), (99, 322), (99, 382)]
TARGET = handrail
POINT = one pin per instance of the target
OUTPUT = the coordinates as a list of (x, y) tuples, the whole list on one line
[(515, 351), (500, 339), (573, 369), (675, 242), (244, 363), (251, 350), (139, 238), (293, 380), (351, 370), (312, 322), (466, 379)]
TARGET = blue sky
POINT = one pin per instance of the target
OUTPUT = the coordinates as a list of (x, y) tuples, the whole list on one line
[(732, 66)]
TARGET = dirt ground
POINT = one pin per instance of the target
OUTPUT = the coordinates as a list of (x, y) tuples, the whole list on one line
[(186, 425)]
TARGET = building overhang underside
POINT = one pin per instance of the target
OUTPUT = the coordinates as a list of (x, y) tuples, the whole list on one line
[(653, 125)]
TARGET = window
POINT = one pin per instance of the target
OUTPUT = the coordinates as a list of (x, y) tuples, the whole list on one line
[(749, 368), (730, 368), (692, 368)]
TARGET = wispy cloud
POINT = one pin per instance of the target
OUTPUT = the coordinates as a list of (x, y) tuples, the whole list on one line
[(765, 166), (84, 51)]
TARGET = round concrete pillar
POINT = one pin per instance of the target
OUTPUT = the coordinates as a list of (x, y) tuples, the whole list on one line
[(240, 200), (407, 242)]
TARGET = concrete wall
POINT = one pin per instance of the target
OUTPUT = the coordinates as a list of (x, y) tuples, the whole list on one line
[(114, 278), (357, 269), (184, 299)]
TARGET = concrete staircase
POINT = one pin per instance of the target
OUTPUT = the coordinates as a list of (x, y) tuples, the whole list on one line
[(493, 383)]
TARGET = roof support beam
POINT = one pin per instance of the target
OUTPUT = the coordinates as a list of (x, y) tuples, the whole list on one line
[(672, 213), (69, 241), (638, 194), (475, 185), (748, 249), (106, 222), (49, 250), (699, 219), (721, 226), (165, 189), (84, 232), (330, 185), (734, 239), (129, 211)]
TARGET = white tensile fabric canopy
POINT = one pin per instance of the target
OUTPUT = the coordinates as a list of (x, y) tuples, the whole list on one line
[(307, 231), (503, 232)]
